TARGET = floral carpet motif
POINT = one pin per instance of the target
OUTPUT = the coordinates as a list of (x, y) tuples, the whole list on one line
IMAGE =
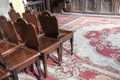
[(106, 42), (92, 65), (63, 18)]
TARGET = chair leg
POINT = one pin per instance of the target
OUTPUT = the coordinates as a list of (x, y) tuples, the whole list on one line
[(45, 64), (25, 70), (59, 52), (71, 42), (31, 68), (14, 75), (39, 69)]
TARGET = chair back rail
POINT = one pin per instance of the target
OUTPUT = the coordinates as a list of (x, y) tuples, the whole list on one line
[(49, 24), (13, 15), (8, 30), (30, 17), (27, 33)]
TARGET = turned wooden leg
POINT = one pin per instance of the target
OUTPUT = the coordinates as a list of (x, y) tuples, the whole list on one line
[(25, 70), (32, 68), (71, 42), (45, 64), (14, 75), (59, 52), (39, 69)]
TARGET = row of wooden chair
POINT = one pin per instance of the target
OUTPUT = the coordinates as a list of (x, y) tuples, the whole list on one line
[(16, 56), (29, 36), (39, 32), (42, 44), (47, 23)]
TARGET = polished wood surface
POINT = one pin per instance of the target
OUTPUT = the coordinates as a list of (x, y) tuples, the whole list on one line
[(13, 15), (30, 17), (3, 73), (49, 24), (43, 44), (9, 31), (19, 58), (6, 47), (50, 27)]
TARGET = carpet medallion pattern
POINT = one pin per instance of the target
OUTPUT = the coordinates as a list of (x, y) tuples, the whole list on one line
[(100, 44), (106, 42)]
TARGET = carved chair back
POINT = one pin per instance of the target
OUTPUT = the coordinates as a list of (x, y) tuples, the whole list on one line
[(49, 24), (30, 17), (8, 30), (28, 33), (13, 15)]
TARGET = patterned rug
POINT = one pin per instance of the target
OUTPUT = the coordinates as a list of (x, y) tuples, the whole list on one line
[(96, 50)]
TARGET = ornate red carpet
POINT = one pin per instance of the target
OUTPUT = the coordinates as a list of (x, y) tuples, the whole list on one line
[(96, 49)]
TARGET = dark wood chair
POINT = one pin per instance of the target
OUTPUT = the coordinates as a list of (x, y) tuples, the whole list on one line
[(32, 18), (42, 44), (9, 31), (13, 15), (50, 28), (19, 58)]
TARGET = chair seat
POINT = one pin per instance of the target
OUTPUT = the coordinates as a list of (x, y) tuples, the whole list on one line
[(49, 44), (64, 35), (6, 47), (20, 56), (3, 73)]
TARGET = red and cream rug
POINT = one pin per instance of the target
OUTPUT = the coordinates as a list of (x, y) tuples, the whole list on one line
[(96, 50)]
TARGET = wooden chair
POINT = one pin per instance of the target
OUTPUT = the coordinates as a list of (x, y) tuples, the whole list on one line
[(50, 27), (13, 15), (19, 58), (42, 44), (32, 18), (9, 31)]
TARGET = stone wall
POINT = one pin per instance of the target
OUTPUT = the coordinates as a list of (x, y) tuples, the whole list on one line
[(93, 6)]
